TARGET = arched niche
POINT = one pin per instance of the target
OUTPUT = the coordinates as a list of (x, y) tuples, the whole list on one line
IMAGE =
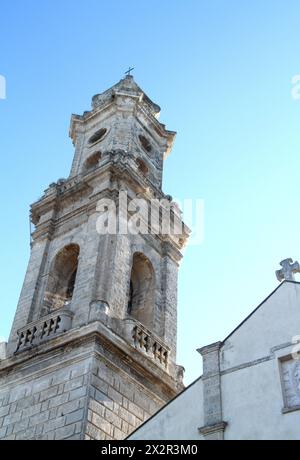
[(62, 278), (141, 291)]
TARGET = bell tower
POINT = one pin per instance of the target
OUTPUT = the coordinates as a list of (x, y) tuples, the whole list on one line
[(92, 350)]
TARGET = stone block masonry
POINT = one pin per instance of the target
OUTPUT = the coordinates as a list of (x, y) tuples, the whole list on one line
[(79, 392), (47, 406), (116, 407), (92, 349)]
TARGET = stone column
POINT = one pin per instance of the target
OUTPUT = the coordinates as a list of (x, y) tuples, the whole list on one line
[(79, 146), (85, 279), (170, 279), (28, 292), (214, 425)]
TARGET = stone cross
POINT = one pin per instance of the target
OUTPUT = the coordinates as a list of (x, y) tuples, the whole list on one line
[(129, 70), (288, 269)]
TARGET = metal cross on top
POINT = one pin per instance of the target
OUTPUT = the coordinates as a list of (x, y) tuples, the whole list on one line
[(288, 269), (128, 72)]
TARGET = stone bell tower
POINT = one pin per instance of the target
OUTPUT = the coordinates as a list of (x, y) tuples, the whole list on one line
[(92, 348)]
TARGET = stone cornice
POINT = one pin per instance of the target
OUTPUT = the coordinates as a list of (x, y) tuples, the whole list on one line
[(54, 196), (210, 348), (54, 200), (125, 89), (95, 331)]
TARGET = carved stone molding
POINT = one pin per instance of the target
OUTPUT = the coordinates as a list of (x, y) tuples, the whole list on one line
[(213, 432)]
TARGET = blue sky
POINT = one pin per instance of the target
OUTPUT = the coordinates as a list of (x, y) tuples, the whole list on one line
[(221, 72)]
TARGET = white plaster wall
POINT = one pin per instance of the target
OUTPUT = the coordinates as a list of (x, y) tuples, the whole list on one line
[(252, 395), (273, 324), (252, 404), (179, 420)]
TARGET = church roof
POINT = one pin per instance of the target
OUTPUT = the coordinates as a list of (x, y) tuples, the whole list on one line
[(127, 86), (259, 306), (285, 284), (125, 89)]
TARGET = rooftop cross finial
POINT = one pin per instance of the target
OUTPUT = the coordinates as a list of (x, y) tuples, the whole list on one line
[(128, 72), (288, 269)]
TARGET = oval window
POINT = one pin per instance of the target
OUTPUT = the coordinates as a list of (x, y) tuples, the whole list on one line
[(145, 143), (97, 136)]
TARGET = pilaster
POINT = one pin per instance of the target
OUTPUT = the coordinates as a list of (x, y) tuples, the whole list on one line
[(214, 424)]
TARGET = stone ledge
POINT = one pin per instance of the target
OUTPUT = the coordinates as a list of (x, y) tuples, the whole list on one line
[(112, 341), (211, 429), (287, 410), (210, 348)]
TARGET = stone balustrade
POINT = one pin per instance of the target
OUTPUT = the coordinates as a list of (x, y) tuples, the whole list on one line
[(45, 328), (147, 342)]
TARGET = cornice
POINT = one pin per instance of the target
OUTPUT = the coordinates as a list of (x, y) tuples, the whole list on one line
[(99, 333), (121, 176)]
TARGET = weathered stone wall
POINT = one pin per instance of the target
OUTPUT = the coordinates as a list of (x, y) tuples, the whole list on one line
[(179, 420), (22, 315), (104, 269), (55, 391), (123, 127), (44, 405), (117, 404), (75, 391), (169, 303)]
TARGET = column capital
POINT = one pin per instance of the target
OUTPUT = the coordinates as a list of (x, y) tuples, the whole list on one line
[(210, 348)]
